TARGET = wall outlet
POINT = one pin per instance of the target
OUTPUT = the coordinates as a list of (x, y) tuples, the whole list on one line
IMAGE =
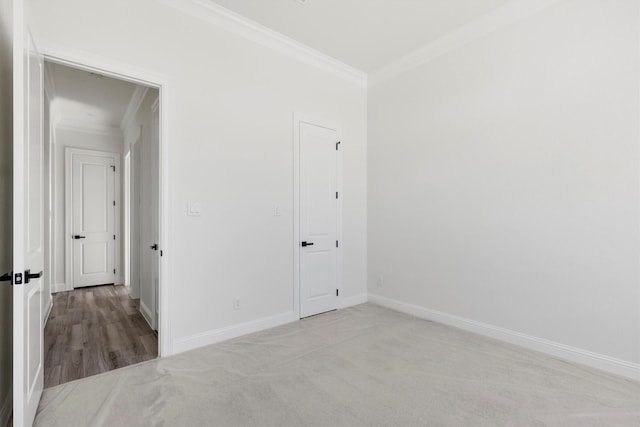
[(380, 280), (236, 303)]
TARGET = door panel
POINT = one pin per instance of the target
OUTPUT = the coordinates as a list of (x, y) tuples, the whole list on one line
[(92, 218), (318, 219), (28, 222)]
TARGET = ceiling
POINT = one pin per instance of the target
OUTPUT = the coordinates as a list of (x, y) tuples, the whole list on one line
[(365, 34), (87, 98)]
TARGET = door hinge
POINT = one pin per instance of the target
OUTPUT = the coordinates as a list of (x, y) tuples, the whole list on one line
[(114, 271), (160, 252), (114, 203), (337, 292), (336, 243), (18, 279), (337, 143), (336, 194), (113, 167), (114, 237)]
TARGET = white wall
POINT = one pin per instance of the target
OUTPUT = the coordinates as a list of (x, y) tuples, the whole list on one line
[(503, 180), (76, 138), (6, 232), (231, 105)]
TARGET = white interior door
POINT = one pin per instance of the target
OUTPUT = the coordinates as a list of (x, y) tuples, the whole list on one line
[(155, 208), (149, 220), (28, 223), (318, 249), (93, 211)]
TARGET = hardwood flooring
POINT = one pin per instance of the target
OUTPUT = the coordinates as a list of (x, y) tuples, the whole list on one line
[(93, 330)]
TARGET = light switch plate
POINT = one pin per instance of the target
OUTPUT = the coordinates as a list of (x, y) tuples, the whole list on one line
[(194, 209)]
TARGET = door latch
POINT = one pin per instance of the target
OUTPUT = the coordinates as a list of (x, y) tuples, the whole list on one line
[(28, 276), (154, 246)]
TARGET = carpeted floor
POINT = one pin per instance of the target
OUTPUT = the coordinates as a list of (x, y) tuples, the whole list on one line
[(363, 366)]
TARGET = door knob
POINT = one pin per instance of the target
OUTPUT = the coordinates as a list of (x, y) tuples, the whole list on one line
[(28, 275), (77, 236), (304, 244), (154, 246)]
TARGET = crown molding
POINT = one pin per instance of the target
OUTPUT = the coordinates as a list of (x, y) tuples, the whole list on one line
[(91, 128), (238, 24), (501, 17), (134, 105)]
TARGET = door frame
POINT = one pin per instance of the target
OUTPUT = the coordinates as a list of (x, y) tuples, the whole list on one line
[(124, 71), (68, 206), (299, 118)]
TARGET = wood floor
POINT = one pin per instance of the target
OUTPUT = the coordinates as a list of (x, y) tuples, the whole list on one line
[(93, 330)]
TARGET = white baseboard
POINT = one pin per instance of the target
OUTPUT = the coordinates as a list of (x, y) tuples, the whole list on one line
[(354, 300), (229, 332), (58, 287), (573, 354), (6, 407), (146, 313)]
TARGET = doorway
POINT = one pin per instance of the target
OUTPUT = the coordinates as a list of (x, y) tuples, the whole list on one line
[(317, 225), (98, 322)]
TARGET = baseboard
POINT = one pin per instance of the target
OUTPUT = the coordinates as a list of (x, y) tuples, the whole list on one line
[(354, 300), (58, 287), (146, 313), (573, 354), (218, 335), (6, 407)]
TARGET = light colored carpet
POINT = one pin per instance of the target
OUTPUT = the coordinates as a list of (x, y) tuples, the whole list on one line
[(363, 366)]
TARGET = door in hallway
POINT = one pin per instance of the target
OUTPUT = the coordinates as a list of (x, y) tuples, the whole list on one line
[(318, 246), (93, 214)]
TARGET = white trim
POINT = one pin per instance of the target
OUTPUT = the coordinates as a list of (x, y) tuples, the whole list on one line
[(218, 335), (68, 205), (58, 287), (146, 313), (6, 408), (91, 128), (354, 300), (46, 316), (297, 119), (573, 354), (501, 17), (242, 26), (49, 86), (134, 105), (124, 71)]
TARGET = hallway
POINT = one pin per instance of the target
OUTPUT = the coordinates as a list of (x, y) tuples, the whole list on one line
[(93, 330)]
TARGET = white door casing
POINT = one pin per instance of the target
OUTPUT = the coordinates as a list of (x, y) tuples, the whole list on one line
[(317, 243), (92, 182), (107, 66), (28, 222)]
